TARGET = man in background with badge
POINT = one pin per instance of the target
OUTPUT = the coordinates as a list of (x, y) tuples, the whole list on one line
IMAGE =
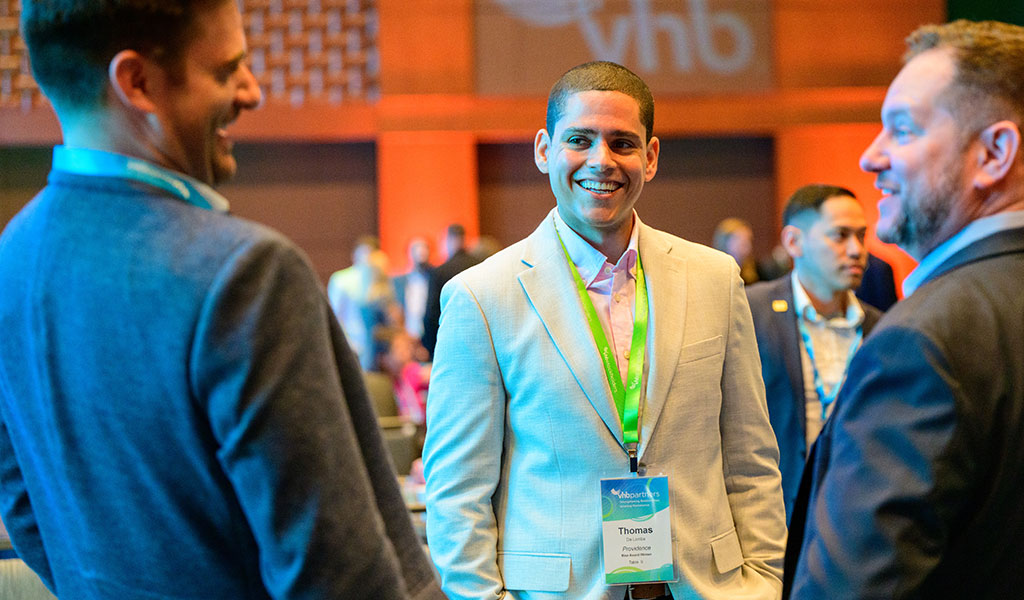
[(594, 379), (810, 324)]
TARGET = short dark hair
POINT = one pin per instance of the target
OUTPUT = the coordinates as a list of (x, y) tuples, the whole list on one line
[(370, 241), (989, 58), (71, 42), (601, 76), (456, 231), (727, 228), (811, 197)]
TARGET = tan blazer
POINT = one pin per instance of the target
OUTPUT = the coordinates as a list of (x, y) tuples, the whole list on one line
[(521, 426)]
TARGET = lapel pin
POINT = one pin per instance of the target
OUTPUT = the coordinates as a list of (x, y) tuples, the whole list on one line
[(780, 305)]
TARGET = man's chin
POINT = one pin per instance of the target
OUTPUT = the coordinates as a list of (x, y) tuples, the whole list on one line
[(887, 232), (223, 170)]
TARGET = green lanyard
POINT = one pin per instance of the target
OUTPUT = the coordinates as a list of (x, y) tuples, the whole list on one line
[(627, 398)]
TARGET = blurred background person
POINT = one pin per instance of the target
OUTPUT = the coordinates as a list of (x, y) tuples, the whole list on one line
[(412, 286), (459, 259), (735, 237), (485, 247), (360, 296)]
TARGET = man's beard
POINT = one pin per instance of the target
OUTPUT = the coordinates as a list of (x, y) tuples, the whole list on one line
[(923, 214)]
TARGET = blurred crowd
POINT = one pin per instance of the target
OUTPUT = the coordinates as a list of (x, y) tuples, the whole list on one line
[(391, 320)]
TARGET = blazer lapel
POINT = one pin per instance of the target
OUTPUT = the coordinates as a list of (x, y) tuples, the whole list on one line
[(786, 330), (665, 273), (551, 291)]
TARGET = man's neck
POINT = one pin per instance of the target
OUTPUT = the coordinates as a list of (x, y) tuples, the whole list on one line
[(612, 243), (826, 302), (612, 246)]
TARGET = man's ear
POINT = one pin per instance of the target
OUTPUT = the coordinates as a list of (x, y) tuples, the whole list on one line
[(651, 160), (541, 147), (792, 241), (130, 76), (1000, 144)]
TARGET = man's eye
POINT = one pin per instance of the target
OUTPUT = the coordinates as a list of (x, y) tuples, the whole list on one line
[(577, 140), (901, 133)]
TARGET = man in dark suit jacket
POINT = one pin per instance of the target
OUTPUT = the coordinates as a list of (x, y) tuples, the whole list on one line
[(916, 483), (180, 416), (411, 287), (878, 288), (809, 324), (459, 259)]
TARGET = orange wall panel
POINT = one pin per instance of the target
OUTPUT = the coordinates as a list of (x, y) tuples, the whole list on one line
[(426, 46), (826, 43), (427, 180)]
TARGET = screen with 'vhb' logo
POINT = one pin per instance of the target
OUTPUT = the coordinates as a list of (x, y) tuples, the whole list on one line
[(676, 46)]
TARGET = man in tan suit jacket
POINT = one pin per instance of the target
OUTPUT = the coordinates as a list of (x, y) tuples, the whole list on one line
[(521, 422)]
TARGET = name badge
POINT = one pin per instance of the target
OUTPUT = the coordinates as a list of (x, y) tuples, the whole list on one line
[(636, 530)]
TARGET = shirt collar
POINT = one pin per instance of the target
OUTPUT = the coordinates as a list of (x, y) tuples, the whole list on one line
[(854, 316), (974, 231), (99, 163), (590, 261)]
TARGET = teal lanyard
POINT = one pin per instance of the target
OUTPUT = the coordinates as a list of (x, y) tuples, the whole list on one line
[(627, 397), (819, 385), (86, 161)]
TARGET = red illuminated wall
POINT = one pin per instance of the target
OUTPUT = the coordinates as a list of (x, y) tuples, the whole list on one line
[(415, 62)]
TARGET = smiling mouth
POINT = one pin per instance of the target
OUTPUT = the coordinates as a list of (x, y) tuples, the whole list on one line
[(223, 137), (885, 189), (599, 187)]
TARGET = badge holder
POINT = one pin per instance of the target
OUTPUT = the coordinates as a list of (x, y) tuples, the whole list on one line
[(636, 531)]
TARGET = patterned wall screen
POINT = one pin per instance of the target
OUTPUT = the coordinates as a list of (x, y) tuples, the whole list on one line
[(301, 50), (314, 49), (17, 88)]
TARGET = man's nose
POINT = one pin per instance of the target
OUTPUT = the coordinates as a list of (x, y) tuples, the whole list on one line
[(249, 94), (874, 159), (600, 156)]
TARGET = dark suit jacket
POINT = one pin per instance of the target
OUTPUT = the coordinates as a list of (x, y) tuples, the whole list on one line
[(917, 478), (878, 288), (401, 282), (180, 416), (457, 263), (778, 343)]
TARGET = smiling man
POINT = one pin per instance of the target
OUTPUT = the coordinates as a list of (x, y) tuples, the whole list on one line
[(180, 416), (599, 348), (810, 324), (917, 483)]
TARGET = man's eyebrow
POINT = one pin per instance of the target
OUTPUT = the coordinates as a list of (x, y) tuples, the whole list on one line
[(626, 134), (237, 59), (618, 133), (898, 112)]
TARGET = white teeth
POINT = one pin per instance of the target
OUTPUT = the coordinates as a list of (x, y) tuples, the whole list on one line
[(600, 186)]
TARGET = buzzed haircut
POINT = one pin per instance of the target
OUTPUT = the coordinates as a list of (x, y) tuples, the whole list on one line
[(811, 197), (600, 76), (71, 42), (989, 58)]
